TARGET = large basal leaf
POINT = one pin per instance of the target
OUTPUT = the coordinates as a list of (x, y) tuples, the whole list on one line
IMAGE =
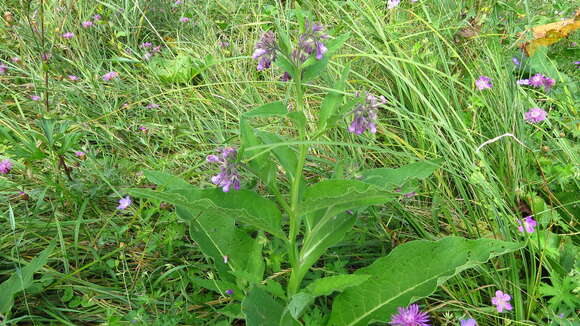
[(261, 309), (411, 271), (337, 196), (397, 177), (243, 205), (22, 279), (181, 69)]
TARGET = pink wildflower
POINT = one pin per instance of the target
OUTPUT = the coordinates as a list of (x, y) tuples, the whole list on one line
[(184, 19), (87, 24), (483, 82), (535, 115), (68, 35), (501, 301), (5, 166), (110, 75), (528, 224)]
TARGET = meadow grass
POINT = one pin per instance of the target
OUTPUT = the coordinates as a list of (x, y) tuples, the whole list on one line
[(112, 267)]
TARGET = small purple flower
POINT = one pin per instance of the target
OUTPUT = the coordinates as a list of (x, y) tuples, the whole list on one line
[(285, 77), (124, 203), (145, 45), (501, 301), (73, 77), (97, 17), (535, 115), (178, 2), (152, 106), (229, 291), (537, 80), (410, 316), (5, 166), (528, 224), (184, 19), (147, 56), (68, 35), (577, 63), (156, 49), (228, 175), (312, 41), (110, 75), (548, 83), (143, 129), (87, 24), (468, 322), (393, 3), (46, 56), (81, 155), (35, 97), (483, 82), (410, 194), (517, 63), (523, 82), (3, 68), (265, 50), (15, 59), (365, 114)]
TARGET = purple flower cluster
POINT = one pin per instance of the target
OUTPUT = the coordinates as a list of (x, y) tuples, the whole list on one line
[(5, 166), (537, 81), (365, 114), (483, 82), (410, 316), (228, 175), (312, 41), (535, 115), (265, 50)]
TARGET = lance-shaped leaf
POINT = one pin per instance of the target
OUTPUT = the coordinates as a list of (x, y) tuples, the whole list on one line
[(410, 272), (332, 100), (243, 205), (268, 110), (397, 177)]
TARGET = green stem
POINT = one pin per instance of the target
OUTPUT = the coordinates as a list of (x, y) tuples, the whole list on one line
[(295, 279)]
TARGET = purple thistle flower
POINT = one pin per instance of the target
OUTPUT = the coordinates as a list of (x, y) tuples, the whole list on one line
[(468, 322), (229, 291), (548, 83), (35, 97), (152, 106), (184, 19), (517, 63), (228, 175), (124, 203), (365, 115), (110, 75), (501, 301), (523, 82), (97, 17), (410, 316), (528, 224), (87, 24), (265, 50), (312, 41), (73, 77), (537, 80), (535, 115), (145, 45), (5, 166), (3, 68), (483, 82), (68, 35), (393, 3)]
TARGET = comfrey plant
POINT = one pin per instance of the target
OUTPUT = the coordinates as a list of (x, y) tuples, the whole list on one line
[(264, 209)]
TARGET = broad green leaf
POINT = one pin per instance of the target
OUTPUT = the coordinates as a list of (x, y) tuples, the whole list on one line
[(397, 177), (285, 154), (268, 110), (166, 180), (299, 302), (338, 283), (313, 70), (22, 279), (332, 100), (261, 309), (243, 205), (410, 272), (260, 165), (181, 69), (286, 65), (299, 119), (337, 196)]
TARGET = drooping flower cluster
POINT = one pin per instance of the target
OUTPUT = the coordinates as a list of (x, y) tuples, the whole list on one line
[(528, 224), (5, 166), (483, 82), (265, 51), (501, 301), (535, 115), (537, 81), (310, 42), (228, 176), (410, 316), (365, 114)]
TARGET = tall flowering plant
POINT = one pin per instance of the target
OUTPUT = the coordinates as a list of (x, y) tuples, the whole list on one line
[(261, 198)]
